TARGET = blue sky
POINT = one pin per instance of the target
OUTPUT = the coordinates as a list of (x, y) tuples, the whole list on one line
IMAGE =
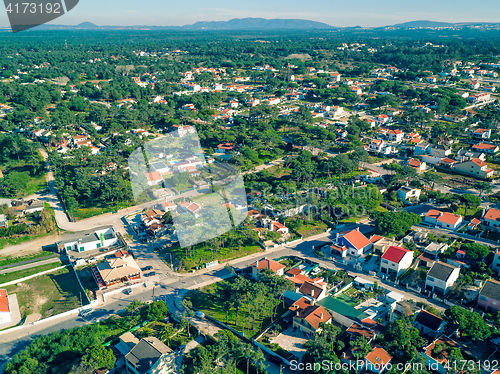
[(333, 12)]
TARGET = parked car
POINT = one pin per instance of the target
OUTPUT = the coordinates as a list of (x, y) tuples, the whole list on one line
[(150, 274), (180, 349), (128, 291), (85, 312), (199, 314), (146, 268), (275, 360)]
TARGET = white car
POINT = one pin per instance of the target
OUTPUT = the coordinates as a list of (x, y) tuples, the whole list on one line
[(199, 314), (85, 312)]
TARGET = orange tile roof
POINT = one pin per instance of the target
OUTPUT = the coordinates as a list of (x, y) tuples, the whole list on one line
[(4, 301), (314, 314), (357, 239), (484, 146), (359, 330), (376, 238), (268, 264), (479, 162), (492, 214), (379, 356), (154, 176), (300, 279), (294, 271), (443, 216), (449, 343)]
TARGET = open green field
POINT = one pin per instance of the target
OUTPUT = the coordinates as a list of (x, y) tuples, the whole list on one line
[(208, 301), (8, 277), (204, 254), (306, 228), (9, 260), (48, 294), (18, 174)]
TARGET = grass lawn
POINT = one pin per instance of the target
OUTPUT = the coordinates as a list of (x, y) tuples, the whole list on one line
[(9, 260), (49, 294), (308, 228), (353, 219), (32, 185), (4, 278), (207, 300), (84, 213), (203, 254), (348, 297)]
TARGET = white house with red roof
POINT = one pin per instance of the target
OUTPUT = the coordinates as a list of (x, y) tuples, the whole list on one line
[(191, 208), (482, 133), (486, 148), (5, 310), (443, 219), (476, 168), (357, 244), (308, 316), (267, 263), (154, 178), (382, 119), (396, 136), (491, 218), (395, 261)]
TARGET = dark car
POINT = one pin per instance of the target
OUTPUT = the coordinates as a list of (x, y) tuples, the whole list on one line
[(275, 360), (150, 274), (146, 268)]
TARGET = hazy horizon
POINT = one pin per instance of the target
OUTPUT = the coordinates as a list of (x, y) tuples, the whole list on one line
[(366, 13)]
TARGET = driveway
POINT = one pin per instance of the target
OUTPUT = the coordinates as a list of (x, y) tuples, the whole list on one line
[(293, 341)]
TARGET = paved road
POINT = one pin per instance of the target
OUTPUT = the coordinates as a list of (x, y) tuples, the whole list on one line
[(30, 265)]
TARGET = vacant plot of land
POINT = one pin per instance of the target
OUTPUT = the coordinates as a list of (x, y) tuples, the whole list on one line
[(8, 277), (308, 228), (48, 294), (208, 301)]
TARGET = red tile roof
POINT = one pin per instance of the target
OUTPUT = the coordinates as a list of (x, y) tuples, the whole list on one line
[(492, 214), (444, 216), (379, 356), (154, 176), (314, 314), (484, 146), (4, 301), (268, 264), (300, 279), (479, 162), (294, 271), (376, 238), (357, 239), (395, 254)]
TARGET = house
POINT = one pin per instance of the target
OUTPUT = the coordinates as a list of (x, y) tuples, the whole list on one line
[(482, 133), (464, 155), (381, 244), (491, 218), (476, 168), (226, 148), (358, 329), (308, 316), (489, 297), (154, 178), (379, 146), (266, 263), (33, 206), (443, 219), (378, 360), (313, 289), (355, 241), (150, 356), (395, 261), (181, 131), (116, 270), (5, 311), (127, 342), (422, 149), (417, 164), (93, 239), (495, 265), (396, 136), (439, 150), (474, 85), (439, 362), (409, 195), (191, 208), (160, 167), (167, 206), (382, 118), (4, 223), (441, 277), (486, 148), (473, 224), (429, 324), (342, 312)]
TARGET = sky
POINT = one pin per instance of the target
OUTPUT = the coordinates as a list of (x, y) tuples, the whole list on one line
[(342, 13)]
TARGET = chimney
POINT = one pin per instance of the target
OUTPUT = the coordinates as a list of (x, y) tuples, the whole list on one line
[(298, 313), (312, 293), (321, 315), (257, 263), (483, 213), (440, 214)]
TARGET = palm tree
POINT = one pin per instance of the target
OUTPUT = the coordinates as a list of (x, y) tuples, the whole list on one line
[(167, 332)]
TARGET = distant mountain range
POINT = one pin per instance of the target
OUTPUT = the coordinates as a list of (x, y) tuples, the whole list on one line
[(258, 24)]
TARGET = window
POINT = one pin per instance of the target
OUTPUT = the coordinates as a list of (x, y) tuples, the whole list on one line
[(430, 279)]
